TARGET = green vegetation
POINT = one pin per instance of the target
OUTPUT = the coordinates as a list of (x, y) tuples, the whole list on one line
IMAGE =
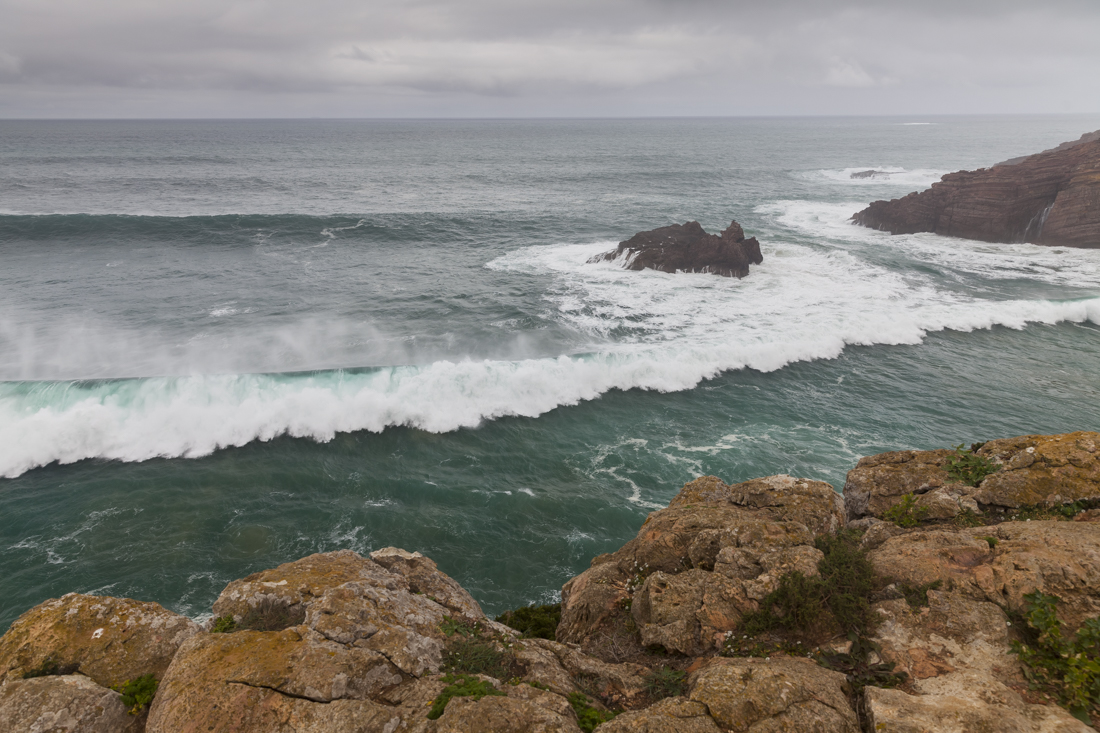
[(743, 646), (991, 541), (1068, 669), (665, 682), (837, 599), (968, 467), (1063, 512), (461, 685), (49, 668), (534, 622), (223, 625), (917, 595), (468, 651), (137, 693), (855, 663), (968, 518), (587, 716), (906, 513)]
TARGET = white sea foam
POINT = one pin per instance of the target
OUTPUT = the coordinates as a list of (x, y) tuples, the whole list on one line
[(654, 331), (885, 175)]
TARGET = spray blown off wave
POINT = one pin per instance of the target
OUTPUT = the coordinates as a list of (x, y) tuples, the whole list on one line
[(134, 420)]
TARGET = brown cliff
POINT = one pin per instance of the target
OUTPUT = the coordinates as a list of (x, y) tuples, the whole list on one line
[(688, 248), (1051, 198)]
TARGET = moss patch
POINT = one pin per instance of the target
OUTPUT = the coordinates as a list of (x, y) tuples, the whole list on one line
[(461, 685), (137, 693), (588, 717)]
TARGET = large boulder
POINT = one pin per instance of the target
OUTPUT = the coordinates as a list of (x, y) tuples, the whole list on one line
[(688, 248), (1032, 470), (1050, 198), (110, 640), (898, 712), (780, 694), (698, 566), (671, 715), (63, 704), (1002, 563)]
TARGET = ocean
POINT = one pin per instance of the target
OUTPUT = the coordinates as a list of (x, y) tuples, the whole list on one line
[(225, 345)]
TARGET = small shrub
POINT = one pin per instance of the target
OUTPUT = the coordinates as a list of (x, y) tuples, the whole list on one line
[(836, 599), (588, 717), (461, 685), (906, 513), (223, 625), (534, 622), (968, 467), (479, 656), (1068, 669), (272, 615), (665, 682), (991, 541), (917, 595), (137, 693), (49, 668), (450, 626)]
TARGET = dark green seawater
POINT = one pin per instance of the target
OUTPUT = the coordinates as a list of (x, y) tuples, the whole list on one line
[(225, 345)]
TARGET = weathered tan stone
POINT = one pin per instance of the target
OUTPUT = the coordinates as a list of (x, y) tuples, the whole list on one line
[(897, 712), (1033, 470), (63, 704), (1045, 470), (111, 640), (671, 715), (424, 577), (1060, 558), (705, 519), (620, 684), (780, 694), (501, 715)]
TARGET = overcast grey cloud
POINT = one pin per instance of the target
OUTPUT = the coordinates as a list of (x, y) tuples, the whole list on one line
[(364, 58)]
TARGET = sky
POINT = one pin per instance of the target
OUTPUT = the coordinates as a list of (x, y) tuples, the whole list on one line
[(546, 58)]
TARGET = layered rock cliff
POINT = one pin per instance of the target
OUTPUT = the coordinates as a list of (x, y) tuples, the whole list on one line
[(688, 248), (667, 634), (1051, 198)]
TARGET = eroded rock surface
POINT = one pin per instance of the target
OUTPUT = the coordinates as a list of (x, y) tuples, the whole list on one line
[(784, 693), (688, 248), (110, 640), (698, 566), (63, 704), (1032, 470), (1050, 198)]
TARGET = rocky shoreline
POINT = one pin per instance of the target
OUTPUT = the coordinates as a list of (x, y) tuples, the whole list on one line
[(1050, 198), (945, 590)]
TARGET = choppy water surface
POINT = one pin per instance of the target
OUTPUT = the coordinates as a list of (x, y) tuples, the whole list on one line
[(224, 345)]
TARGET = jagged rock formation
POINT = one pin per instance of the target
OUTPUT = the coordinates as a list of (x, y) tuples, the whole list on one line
[(351, 644), (1051, 198), (688, 248)]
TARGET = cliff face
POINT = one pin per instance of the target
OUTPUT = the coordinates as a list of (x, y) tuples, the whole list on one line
[(952, 546), (1051, 198)]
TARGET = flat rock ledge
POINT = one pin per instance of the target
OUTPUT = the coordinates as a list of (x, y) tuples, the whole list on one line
[(341, 642), (688, 248)]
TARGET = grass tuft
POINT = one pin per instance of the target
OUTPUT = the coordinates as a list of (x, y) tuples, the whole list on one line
[(588, 717), (137, 693), (461, 685), (534, 622)]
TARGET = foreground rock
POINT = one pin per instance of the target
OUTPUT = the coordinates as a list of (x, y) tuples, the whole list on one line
[(688, 248), (351, 644), (698, 566), (110, 640), (1051, 198), (1031, 470)]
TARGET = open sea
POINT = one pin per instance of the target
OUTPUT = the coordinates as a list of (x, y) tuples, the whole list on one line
[(228, 344)]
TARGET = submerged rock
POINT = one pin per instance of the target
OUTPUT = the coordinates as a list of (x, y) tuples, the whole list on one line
[(688, 248), (1050, 198)]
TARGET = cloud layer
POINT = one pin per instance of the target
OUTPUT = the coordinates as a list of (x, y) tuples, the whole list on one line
[(545, 57)]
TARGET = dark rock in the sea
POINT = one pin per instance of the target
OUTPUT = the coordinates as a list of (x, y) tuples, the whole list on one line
[(869, 174), (688, 248), (1051, 198)]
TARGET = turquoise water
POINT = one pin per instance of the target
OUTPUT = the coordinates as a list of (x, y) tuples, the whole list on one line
[(225, 345)]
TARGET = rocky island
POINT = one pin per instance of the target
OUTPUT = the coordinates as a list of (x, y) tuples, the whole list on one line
[(945, 590), (1051, 198), (688, 248)]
